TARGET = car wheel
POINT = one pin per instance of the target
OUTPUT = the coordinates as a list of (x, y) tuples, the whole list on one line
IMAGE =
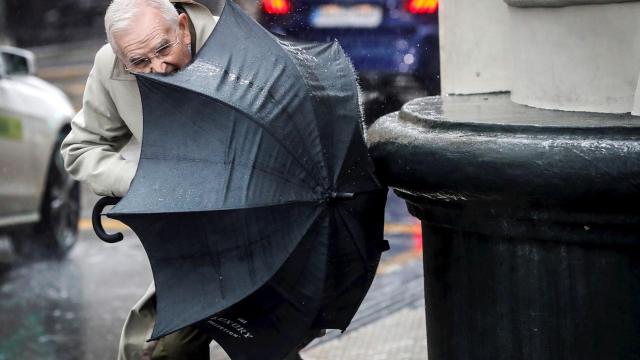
[(57, 231)]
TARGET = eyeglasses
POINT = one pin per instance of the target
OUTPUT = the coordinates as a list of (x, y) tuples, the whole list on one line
[(142, 63)]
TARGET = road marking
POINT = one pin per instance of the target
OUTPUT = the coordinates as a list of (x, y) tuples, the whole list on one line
[(108, 224), (399, 228)]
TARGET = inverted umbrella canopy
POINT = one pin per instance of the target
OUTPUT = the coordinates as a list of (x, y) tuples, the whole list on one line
[(255, 198)]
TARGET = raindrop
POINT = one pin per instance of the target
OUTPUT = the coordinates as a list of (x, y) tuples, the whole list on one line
[(409, 59), (402, 44)]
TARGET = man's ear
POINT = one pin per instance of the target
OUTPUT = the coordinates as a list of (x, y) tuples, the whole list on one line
[(183, 25)]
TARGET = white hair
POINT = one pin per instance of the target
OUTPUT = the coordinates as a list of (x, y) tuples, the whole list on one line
[(121, 13)]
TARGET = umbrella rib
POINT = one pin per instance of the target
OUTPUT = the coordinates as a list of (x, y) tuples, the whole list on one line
[(305, 232), (357, 110), (351, 235), (256, 147), (269, 96), (216, 262), (231, 162), (250, 118), (294, 57), (336, 58)]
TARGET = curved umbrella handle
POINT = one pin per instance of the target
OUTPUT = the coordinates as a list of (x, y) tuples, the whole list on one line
[(97, 223)]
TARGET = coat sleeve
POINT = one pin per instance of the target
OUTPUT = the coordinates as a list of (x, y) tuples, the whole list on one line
[(91, 151)]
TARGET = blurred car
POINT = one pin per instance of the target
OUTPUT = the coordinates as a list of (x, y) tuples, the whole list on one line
[(39, 202), (393, 44)]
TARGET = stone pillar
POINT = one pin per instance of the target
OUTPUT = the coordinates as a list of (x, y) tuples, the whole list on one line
[(576, 58), (530, 218)]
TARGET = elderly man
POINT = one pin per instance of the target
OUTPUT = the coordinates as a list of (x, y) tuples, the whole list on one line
[(144, 36)]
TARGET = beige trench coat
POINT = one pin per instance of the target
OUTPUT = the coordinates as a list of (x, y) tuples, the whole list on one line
[(111, 116)]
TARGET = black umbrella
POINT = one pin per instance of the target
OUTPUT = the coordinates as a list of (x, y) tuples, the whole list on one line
[(255, 198)]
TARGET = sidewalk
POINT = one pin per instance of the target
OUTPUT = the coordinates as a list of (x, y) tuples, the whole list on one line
[(399, 336), (390, 324)]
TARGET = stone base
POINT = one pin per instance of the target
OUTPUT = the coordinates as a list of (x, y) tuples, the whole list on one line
[(531, 225)]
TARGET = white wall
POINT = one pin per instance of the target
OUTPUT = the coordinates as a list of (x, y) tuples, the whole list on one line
[(474, 46), (583, 58)]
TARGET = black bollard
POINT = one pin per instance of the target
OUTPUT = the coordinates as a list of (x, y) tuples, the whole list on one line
[(531, 225)]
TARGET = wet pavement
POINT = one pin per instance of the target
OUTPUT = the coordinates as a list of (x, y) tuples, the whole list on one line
[(74, 308)]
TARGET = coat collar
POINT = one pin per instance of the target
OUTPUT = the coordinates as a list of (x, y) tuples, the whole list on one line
[(203, 22)]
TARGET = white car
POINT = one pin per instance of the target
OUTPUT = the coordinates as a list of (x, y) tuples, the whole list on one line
[(39, 202)]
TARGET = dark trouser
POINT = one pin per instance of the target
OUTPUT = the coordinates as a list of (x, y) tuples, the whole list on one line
[(186, 344)]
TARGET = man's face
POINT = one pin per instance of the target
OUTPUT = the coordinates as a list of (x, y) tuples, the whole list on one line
[(153, 45)]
